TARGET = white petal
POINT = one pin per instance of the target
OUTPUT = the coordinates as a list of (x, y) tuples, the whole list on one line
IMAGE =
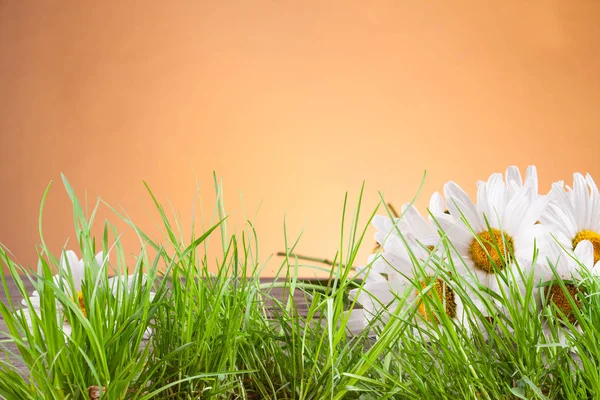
[(483, 206), (73, 266), (416, 224), (459, 203), (436, 204), (596, 270), (584, 252), (531, 178), (557, 219), (70, 262), (113, 282), (496, 191), (373, 295), (67, 329), (381, 222), (559, 197), (100, 260), (373, 272), (580, 191), (357, 321), (148, 333), (35, 302), (516, 212), (119, 283), (513, 174), (591, 183), (78, 274), (457, 235), (393, 263)]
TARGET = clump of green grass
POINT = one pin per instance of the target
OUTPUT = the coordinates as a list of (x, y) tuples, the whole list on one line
[(228, 335), (107, 322)]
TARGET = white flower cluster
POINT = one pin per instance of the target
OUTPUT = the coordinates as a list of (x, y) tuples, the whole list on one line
[(74, 268), (510, 231)]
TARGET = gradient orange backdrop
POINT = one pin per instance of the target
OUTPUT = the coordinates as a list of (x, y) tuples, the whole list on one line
[(291, 102)]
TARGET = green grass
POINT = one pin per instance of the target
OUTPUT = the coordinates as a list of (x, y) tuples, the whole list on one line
[(223, 335)]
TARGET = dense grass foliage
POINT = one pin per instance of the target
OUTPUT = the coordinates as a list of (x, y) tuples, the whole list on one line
[(170, 329)]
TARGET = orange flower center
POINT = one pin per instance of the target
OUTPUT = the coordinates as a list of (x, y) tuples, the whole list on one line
[(492, 250), (560, 298), (443, 292), (81, 303)]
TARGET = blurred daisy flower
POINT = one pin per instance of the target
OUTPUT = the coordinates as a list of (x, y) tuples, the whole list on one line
[(73, 267)]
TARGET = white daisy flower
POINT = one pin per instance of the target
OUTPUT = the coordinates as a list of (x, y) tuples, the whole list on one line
[(74, 266), (390, 283), (511, 209), (574, 215)]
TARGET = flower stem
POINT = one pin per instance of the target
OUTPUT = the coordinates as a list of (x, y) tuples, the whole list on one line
[(305, 258), (393, 210), (308, 258)]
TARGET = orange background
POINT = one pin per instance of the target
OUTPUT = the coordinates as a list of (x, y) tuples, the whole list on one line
[(291, 102)]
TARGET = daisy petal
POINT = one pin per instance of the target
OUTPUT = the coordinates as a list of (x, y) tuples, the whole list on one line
[(460, 204)]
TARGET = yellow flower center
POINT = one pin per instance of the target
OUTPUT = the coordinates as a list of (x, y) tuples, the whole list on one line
[(81, 303), (559, 297), (492, 249), (593, 237), (444, 293)]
